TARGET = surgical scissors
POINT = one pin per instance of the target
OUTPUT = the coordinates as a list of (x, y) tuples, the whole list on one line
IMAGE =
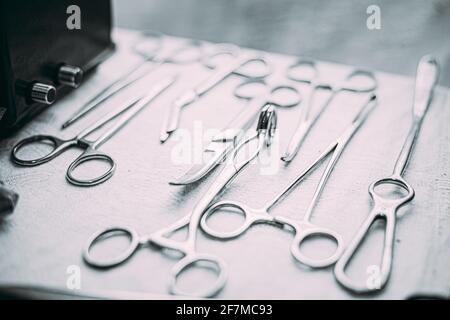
[(241, 62), (309, 74), (386, 206), (263, 136), (91, 152), (303, 228), (151, 49), (258, 93)]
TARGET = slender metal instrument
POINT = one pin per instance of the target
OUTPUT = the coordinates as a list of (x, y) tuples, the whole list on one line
[(386, 206), (241, 66), (191, 221), (278, 94), (304, 229), (305, 71), (91, 153), (150, 47)]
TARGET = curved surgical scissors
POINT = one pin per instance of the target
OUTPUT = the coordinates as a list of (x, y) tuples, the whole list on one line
[(259, 93), (263, 136), (151, 48), (303, 228), (241, 66), (358, 81), (91, 152), (385, 206)]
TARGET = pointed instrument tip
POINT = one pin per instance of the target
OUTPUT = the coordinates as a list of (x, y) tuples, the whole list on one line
[(184, 180), (287, 157), (65, 125), (178, 182), (164, 136)]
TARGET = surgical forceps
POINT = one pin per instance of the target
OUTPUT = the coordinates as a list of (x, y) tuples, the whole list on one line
[(238, 66), (263, 136), (310, 75), (303, 228), (258, 93), (151, 49), (91, 152), (385, 206)]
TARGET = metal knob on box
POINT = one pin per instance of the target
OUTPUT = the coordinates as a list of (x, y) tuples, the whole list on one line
[(70, 75), (46, 59), (42, 93)]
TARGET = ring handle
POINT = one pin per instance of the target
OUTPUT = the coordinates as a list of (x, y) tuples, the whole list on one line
[(290, 102), (351, 83), (394, 202), (90, 155), (303, 236), (226, 234), (349, 253), (310, 76), (190, 52), (384, 208), (242, 90), (58, 146), (265, 71), (303, 232), (141, 46), (189, 261), (110, 233), (220, 49)]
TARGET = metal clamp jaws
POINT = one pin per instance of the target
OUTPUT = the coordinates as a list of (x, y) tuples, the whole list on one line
[(267, 123)]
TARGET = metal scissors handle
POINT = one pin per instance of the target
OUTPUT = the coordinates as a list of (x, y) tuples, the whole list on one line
[(160, 238), (150, 48), (303, 228), (386, 206), (91, 153), (278, 95), (305, 71), (239, 66)]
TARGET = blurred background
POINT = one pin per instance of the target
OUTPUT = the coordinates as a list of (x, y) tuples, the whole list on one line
[(321, 29)]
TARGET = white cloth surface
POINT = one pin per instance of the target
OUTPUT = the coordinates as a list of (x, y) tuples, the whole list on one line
[(54, 219)]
